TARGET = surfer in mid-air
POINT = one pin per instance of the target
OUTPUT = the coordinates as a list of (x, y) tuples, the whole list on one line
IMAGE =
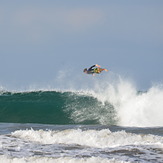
[(95, 69)]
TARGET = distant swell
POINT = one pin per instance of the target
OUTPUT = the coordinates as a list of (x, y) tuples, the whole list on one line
[(52, 107)]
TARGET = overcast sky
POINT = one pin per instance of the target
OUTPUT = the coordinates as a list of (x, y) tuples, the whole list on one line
[(40, 38)]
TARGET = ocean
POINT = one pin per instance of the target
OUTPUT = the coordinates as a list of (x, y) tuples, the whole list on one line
[(107, 123)]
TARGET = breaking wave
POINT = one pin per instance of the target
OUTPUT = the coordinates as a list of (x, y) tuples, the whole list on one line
[(110, 103)]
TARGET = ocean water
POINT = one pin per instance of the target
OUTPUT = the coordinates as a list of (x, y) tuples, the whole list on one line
[(109, 123)]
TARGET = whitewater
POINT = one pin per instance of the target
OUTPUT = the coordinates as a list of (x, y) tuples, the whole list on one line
[(101, 119)]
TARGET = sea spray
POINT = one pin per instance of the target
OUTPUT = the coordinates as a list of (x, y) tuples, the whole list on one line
[(132, 107)]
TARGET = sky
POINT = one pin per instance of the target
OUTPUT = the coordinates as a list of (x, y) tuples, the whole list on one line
[(39, 39)]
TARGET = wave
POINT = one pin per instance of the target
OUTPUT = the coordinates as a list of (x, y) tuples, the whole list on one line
[(91, 138), (81, 144), (106, 102), (52, 107)]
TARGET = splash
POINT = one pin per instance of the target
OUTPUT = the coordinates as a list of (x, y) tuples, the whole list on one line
[(133, 108)]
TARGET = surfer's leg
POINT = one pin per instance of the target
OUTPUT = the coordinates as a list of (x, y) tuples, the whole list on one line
[(91, 68)]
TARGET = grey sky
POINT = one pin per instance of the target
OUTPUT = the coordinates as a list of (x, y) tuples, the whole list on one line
[(40, 38)]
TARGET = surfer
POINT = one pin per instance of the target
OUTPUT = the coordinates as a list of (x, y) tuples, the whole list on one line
[(95, 69)]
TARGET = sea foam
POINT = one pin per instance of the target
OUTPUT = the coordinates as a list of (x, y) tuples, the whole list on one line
[(92, 138)]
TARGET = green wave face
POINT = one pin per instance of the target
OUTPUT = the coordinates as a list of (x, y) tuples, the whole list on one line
[(52, 107)]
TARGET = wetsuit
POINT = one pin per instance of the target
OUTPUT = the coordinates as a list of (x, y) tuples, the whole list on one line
[(92, 70)]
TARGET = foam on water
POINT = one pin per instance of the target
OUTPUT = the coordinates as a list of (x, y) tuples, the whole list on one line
[(82, 143), (92, 138), (76, 145), (36, 159)]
